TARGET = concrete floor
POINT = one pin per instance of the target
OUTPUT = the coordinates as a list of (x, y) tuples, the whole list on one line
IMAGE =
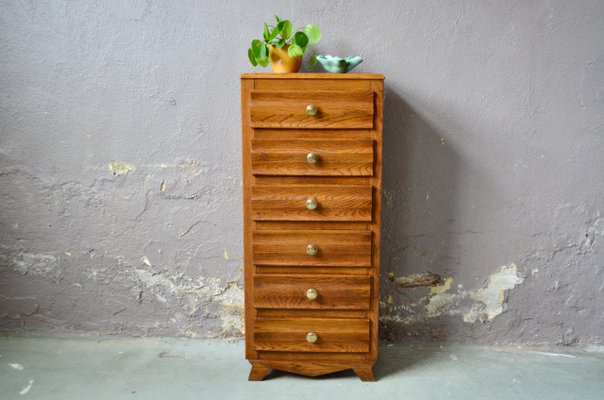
[(33, 367)]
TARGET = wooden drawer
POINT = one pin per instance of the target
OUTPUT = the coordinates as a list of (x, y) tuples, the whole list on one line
[(288, 203), (337, 292), (335, 109), (338, 157), (333, 335), (334, 248)]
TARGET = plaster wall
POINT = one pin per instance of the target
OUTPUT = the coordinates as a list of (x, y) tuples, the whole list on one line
[(120, 189)]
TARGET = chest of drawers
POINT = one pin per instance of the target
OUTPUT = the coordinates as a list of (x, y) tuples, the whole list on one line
[(312, 163)]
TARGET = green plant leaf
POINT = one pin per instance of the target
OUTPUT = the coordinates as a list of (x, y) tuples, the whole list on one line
[(280, 43), (256, 45), (258, 49), (263, 62), (313, 32), (301, 39), (295, 51), (313, 61), (273, 34), (265, 33), (277, 18), (279, 28), (250, 55), (287, 30)]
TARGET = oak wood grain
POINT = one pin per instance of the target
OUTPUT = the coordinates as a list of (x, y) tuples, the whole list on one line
[(312, 225), (246, 164), (293, 134), (308, 356), (365, 373), (311, 85), (318, 181), (334, 292), (341, 249), (376, 184), (313, 76), (334, 335), (287, 109), (276, 266), (312, 270), (288, 203), (307, 368), (289, 157), (309, 313), (258, 372), (314, 368)]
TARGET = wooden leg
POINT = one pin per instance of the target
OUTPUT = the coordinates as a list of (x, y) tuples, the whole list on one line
[(365, 373), (258, 372)]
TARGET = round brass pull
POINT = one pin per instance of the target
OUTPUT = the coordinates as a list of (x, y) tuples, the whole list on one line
[(311, 203), (311, 294), (312, 250), (311, 110), (312, 158), (311, 337)]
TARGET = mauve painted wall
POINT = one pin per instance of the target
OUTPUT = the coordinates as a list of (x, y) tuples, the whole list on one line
[(120, 163)]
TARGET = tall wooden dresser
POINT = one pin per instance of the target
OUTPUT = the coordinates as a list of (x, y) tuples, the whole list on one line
[(312, 161)]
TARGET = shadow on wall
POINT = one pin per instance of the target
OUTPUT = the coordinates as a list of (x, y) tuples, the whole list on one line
[(419, 175)]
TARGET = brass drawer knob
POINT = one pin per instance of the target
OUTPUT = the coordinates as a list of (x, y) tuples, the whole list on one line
[(311, 294), (311, 203), (311, 337), (311, 110), (312, 158), (311, 250)]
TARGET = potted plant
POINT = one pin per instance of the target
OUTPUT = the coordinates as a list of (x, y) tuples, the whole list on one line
[(283, 47)]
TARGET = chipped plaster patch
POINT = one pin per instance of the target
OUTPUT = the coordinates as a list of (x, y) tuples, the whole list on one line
[(438, 289), (440, 299), (120, 168), (490, 300), (34, 264), (232, 315), (439, 304), (191, 167), (196, 294)]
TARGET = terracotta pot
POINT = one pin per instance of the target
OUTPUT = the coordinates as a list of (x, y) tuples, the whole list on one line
[(281, 62)]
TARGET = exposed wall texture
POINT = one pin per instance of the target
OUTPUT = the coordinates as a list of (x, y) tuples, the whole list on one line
[(120, 163)]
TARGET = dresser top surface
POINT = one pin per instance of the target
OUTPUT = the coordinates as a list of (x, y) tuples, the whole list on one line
[(299, 75)]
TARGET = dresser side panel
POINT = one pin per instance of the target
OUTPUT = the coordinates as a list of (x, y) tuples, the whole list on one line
[(246, 138), (378, 88)]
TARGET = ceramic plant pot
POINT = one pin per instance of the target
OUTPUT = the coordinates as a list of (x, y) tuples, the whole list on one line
[(281, 62)]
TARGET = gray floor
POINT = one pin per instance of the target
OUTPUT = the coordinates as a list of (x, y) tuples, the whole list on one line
[(90, 368)]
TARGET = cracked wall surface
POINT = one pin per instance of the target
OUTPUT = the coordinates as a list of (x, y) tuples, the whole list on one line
[(120, 189)]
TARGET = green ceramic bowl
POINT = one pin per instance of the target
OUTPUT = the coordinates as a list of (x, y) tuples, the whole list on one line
[(338, 65)]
